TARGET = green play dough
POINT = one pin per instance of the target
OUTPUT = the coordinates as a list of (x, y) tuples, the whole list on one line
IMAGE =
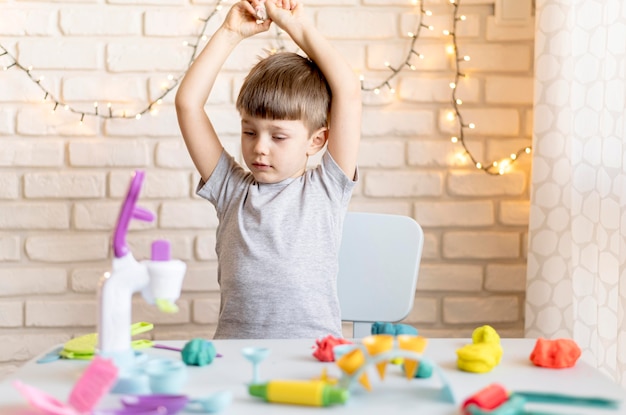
[(198, 352)]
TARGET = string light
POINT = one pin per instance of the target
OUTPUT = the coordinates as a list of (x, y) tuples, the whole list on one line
[(110, 113), (496, 167), (491, 168), (413, 35)]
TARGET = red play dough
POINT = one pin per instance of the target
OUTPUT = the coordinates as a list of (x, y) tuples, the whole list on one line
[(555, 354), (324, 351)]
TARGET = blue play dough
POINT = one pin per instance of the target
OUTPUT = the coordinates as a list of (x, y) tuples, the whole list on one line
[(198, 352), (393, 329)]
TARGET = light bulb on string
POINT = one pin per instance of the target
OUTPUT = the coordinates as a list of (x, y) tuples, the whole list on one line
[(419, 55), (496, 167), (413, 35), (201, 36)]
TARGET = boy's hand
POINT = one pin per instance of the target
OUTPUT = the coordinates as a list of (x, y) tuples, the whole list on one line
[(283, 11), (242, 19)]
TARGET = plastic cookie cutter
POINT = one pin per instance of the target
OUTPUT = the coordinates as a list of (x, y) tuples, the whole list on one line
[(495, 400)]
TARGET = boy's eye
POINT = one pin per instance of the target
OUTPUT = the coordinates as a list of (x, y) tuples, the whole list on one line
[(279, 137), (248, 133)]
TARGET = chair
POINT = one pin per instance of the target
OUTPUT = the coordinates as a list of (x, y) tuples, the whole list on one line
[(379, 260)]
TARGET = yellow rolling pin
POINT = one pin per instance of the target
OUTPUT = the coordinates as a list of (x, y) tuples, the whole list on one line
[(299, 392)]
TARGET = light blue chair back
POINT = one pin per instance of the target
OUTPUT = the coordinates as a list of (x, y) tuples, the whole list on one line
[(379, 261)]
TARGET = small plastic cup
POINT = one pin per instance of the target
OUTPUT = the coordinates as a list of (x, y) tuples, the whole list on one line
[(166, 376)]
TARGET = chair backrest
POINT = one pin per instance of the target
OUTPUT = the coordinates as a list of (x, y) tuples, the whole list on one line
[(379, 260)]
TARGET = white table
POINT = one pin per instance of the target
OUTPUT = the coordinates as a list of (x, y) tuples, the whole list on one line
[(292, 359)]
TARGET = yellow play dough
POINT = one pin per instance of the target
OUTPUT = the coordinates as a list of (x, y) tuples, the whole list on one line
[(483, 354)]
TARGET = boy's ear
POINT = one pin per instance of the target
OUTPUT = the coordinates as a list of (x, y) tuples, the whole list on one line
[(318, 141)]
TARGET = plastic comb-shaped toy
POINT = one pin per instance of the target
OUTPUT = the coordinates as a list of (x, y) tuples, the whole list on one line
[(94, 383)]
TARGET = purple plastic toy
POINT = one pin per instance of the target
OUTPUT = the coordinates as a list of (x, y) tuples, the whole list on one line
[(129, 211)]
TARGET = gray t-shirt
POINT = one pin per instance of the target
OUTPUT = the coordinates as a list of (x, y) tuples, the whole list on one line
[(277, 247)]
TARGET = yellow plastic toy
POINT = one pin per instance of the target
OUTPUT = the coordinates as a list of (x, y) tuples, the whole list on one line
[(376, 345), (483, 354), (351, 362), (84, 347), (299, 392), (378, 349)]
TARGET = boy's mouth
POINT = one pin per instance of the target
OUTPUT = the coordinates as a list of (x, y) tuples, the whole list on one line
[(261, 166)]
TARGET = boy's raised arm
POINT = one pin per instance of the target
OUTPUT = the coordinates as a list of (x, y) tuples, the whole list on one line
[(345, 116), (200, 137)]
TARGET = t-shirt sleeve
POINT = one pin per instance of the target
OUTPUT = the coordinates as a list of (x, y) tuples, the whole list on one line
[(332, 170), (223, 181)]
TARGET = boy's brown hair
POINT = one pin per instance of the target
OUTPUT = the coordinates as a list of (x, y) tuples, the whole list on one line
[(286, 86)]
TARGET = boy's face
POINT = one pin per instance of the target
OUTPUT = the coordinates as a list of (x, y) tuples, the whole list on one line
[(275, 150)]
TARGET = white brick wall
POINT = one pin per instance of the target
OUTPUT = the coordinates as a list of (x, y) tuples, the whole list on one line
[(61, 183)]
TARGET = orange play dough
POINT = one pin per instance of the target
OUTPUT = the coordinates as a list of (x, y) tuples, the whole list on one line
[(555, 354)]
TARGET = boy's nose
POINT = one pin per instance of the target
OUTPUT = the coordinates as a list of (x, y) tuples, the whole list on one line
[(261, 147)]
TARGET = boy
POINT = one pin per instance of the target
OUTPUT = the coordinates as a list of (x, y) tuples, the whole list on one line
[(279, 225)]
